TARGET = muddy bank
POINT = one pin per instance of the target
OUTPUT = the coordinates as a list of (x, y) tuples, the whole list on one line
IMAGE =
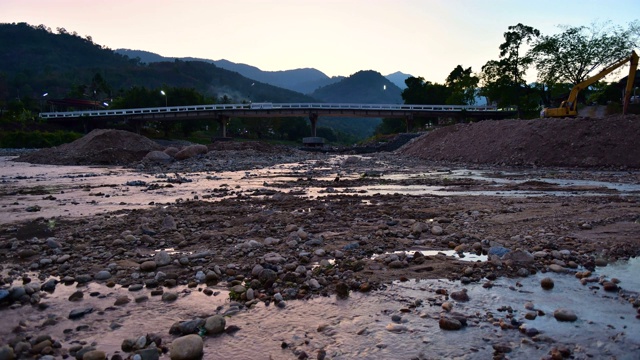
[(582, 142)]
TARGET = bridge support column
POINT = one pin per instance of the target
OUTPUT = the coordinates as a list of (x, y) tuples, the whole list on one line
[(223, 120), (408, 121), (313, 119), (314, 140)]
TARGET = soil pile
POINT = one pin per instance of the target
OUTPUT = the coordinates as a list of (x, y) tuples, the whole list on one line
[(99, 147), (582, 142)]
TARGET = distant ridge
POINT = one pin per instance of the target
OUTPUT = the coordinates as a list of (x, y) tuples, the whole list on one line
[(304, 80), (365, 87), (398, 78)]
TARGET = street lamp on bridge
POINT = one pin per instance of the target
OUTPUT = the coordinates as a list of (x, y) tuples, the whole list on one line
[(165, 97)]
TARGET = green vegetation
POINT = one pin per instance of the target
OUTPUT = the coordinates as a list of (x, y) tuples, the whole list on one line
[(36, 139)]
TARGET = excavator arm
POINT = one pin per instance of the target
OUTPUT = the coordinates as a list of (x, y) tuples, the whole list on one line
[(569, 107)]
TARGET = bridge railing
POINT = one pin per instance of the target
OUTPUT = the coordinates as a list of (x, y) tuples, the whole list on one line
[(269, 106)]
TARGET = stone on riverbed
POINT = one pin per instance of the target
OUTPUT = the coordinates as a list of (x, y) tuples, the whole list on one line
[(215, 324), (565, 315), (188, 347)]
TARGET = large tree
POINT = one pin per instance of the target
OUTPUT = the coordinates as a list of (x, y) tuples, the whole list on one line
[(463, 86), (572, 55), (503, 80)]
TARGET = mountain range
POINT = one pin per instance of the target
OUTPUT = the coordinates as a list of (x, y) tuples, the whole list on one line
[(36, 62), (305, 80)]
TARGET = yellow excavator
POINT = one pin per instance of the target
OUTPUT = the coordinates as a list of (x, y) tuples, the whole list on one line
[(569, 107)]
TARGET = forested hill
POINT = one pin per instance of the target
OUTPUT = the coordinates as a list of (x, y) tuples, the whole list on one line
[(367, 87), (34, 60)]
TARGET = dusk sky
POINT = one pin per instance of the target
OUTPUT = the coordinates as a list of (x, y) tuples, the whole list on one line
[(425, 38)]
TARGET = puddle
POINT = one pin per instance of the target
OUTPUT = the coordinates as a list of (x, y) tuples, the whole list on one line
[(464, 256)]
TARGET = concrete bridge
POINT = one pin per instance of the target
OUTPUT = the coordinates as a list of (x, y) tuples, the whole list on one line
[(223, 112)]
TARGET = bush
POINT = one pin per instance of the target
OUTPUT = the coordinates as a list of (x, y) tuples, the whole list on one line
[(36, 139)]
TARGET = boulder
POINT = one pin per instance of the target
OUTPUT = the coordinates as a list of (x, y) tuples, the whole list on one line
[(187, 347), (157, 157), (191, 151)]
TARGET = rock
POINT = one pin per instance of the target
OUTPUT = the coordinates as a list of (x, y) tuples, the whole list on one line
[(40, 347), (211, 278), (162, 258), (460, 295), (136, 287), (447, 323), (49, 286), (148, 354), (565, 315), (17, 292), (255, 271), (215, 324), (523, 272), (84, 278), (238, 289), (498, 250), (171, 151), (102, 275), (600, 262), (502, 348), (158, 157), (267, 277), (191, 151), (419, 227), (78, 313), (169, 297), (94, 355), (83, 350), (519, 257), (273, 258), (396, 328), (547, 283), (609, 286), (447, 306), (187, 327), (250, 294), (437, 230), (52, 243), (148, 266), (557, 268), (6, 353), (121, 300), (187, 347), (342, 290)]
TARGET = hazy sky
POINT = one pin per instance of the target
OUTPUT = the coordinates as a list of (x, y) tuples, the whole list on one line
[(425, 38)]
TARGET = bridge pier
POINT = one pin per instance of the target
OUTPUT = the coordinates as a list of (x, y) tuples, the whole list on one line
[(408, 121), (314, 140), (313, 119), (223, 120)]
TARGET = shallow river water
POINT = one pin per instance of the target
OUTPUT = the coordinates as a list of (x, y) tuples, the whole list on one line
[(400, 322), (363, 326)]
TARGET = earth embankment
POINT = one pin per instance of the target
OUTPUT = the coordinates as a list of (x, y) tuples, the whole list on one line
[(582, 142)]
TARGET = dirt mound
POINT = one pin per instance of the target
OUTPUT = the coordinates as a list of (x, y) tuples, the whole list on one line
[(99, 147), (582, 142)]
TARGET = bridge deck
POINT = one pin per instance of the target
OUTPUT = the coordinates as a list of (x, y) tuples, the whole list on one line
[(282, 110)]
